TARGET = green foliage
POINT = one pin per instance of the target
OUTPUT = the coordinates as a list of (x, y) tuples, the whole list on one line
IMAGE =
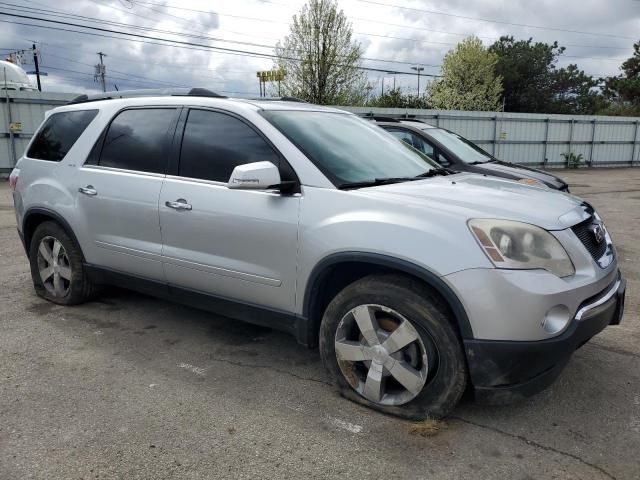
[(469, 80), (533, 84), (394, 98), (320, 57), (574, 92), (572, 160), (623, 91)]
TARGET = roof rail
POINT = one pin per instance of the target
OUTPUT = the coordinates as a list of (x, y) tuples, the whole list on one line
[(279, 99), (151, 92), (379, 118), (412, 118)]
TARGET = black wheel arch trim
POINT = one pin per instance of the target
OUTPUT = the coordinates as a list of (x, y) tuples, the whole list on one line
[(54, 216), (387, 261)]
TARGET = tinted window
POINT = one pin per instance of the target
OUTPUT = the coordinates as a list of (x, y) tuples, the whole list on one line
[(138, 140), (465, 150), (59, 133), (214, 144), (347, 148), (413, 140)]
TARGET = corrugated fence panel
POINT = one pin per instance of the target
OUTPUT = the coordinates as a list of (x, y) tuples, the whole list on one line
[(582, 132), (532, 139), (559, 132), (536, 139), (28, 109), (614, 132), (612, 153), (529, 154)]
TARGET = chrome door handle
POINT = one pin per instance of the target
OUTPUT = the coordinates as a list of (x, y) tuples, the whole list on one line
[(88, 190), (180, 204)]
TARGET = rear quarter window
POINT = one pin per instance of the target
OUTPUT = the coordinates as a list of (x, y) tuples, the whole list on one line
[(58, 134)]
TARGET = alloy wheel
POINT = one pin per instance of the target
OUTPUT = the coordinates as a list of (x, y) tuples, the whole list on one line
[(381, 355), (54, 267)]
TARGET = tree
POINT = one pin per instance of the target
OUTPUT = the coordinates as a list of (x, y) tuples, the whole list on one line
[(574, 92), (394, 98), (468, 79), (623, 91), (533, 84), (320, 58)]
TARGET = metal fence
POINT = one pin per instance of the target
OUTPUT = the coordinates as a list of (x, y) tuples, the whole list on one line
[(530, 139), (536, 139), (20, 115)]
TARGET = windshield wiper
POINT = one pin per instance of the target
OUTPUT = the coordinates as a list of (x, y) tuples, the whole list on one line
[(389, 180), (377, 181), (433, 172)]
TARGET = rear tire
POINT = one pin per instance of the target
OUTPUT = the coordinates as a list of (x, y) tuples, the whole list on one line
[(419, 373), (57, 268)]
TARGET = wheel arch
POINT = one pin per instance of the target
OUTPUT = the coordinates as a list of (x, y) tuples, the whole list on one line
[(37, 215), (351, 266)]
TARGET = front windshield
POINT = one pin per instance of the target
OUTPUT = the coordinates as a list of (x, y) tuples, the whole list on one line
[(348, 149), (465, 150)]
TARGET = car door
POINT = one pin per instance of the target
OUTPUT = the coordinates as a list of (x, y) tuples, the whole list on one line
[(237, 244), (117, 192)]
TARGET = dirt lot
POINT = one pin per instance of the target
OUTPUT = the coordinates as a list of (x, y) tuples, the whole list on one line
[(131, 387)]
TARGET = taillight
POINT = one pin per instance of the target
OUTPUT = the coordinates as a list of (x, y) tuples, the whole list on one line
[(13, 179)]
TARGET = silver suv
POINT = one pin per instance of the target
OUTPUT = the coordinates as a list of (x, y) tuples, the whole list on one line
[(415, 283)]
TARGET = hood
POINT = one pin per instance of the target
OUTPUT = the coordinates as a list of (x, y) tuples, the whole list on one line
[(470, 195), (519, 171)]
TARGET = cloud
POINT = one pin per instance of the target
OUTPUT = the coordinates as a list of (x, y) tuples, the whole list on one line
[(254, 25)]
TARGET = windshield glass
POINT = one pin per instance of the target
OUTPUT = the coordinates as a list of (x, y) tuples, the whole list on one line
[(467, 151), (348, 149)]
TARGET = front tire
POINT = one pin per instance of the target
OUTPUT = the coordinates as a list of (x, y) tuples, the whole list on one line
[(389, 343), (57, 270)]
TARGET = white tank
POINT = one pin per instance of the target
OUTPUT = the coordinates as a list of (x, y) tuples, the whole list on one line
[(12, 77)]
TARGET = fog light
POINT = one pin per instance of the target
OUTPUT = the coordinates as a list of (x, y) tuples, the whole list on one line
[(556, 319)]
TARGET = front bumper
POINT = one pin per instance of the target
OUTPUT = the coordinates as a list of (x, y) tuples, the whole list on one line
[(504, 371)]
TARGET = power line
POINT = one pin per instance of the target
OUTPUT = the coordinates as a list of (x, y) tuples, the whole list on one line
[(172, 84), (67, 15), (205, 37), (137, 62), (126, 80), (167, 5), (170, 42), (62, 14), (435, 12)]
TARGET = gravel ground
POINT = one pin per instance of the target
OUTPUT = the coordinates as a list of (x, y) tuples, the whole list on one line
[(132, 387)]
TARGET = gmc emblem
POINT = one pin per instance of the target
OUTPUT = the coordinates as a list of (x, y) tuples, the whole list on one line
[(598, 232)]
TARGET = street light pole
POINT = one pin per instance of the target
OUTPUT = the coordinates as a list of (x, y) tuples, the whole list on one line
[(418, 69)]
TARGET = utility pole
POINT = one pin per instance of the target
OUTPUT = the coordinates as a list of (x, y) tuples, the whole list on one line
[(35, 61), (418, 69), (100, 72)]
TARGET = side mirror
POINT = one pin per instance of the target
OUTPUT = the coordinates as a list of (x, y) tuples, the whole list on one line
[(254, 176)]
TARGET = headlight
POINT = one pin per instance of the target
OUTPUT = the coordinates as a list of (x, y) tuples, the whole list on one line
[(516, 245), (533, 182)]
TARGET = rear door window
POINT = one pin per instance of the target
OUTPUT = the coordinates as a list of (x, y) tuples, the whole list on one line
[(138, 139), (58, 134)]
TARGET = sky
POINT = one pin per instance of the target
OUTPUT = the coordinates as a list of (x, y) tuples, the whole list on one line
[(394, 34)]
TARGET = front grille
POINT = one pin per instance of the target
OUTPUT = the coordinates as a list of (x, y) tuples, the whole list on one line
[(584, 231)]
